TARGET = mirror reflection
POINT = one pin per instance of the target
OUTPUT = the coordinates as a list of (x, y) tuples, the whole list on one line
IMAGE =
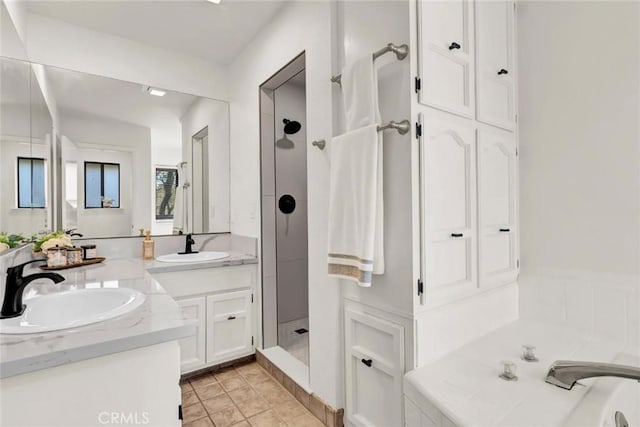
[(126, 157)]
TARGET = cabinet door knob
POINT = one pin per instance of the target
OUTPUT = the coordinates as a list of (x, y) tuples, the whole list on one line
[(502, 71), (505, 230), (231, 317), (457, 235), (367, 362), (454, 45)]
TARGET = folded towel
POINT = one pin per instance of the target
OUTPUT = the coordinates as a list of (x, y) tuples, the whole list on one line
[(359, 83), (355, 206)]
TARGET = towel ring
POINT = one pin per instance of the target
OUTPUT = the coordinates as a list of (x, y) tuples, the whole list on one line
[(320, 144)]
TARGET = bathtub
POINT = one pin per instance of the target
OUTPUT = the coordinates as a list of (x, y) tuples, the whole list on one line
[(605, 397)]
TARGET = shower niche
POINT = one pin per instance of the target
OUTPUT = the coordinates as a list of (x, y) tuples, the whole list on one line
[(284, 214)]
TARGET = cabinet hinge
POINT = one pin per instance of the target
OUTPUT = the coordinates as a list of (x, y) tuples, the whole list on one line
[(517, 153), (420, 287), (251, 340), (518, 263), (418, 130), (418, 84), (252, 298), (180, 412)]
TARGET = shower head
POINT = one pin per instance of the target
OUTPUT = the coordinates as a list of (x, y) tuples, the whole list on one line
[(291, 126)]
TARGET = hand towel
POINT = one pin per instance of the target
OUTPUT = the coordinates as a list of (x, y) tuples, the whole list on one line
[(355, 210), (178, 210)]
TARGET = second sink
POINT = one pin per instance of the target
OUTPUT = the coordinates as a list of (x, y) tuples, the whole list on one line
[(195, 257)]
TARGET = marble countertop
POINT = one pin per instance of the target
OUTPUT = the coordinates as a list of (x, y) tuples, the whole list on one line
[(158, 319), (464, 386)]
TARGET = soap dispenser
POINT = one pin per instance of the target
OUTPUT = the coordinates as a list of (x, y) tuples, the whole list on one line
[(148, 246)]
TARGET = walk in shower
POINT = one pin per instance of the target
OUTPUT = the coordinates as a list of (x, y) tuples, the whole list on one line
[(284, 213)]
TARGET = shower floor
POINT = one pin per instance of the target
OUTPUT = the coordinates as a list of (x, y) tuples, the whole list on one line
[(294, 340)]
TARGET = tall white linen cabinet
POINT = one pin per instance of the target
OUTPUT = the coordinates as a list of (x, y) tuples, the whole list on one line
[(464, 184)]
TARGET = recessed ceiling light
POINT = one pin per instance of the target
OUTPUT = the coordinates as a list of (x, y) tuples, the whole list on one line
[(214, 1), (155, 92)]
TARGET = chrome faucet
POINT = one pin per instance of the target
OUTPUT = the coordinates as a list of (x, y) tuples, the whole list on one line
[(14, 288), (187, 248), (565, 373)]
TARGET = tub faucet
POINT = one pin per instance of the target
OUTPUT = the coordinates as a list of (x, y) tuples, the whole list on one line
[(565, 373), (187, 248), (14, 288)]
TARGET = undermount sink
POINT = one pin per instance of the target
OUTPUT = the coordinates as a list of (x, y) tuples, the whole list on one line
[(70, 309), (195, 257)]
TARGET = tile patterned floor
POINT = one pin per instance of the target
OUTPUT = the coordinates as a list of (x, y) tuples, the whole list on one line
[(241, 396)]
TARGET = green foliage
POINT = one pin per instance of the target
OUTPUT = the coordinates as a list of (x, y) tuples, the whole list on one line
[(12, 240)]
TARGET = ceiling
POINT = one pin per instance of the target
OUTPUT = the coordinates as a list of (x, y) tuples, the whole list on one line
[(195, 27), (86, 94)]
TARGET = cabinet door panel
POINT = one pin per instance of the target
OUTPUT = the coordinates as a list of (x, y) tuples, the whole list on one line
[(229, 329), (497, 184), (374, 388), (495, 63), (445, 55), (192, 349), (449, 207)]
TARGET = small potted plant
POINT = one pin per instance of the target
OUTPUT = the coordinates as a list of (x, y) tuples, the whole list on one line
[(10, 241), (106, 202), (51, 240)]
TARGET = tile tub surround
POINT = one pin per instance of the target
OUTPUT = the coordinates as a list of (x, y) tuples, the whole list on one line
[(241, 395), (463, 387), (158, 320), (323, 412)]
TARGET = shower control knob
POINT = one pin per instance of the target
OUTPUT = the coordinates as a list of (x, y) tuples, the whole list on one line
[(454, 45), (287, 204)]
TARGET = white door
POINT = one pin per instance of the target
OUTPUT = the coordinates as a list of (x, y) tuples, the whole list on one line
[(229, 332), (192, 349), (445, 55), (497, 195), (495, 77), (374, 367), (449, 208)]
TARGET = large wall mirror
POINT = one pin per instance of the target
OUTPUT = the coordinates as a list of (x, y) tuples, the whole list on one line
[(100, 157)]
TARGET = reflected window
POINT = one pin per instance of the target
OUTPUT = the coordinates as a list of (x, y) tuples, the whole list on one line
[(31, 185), (166, 183), (101, 185)]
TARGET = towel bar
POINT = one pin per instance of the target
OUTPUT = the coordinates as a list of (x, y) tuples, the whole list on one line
[(401, 52), (403, 127)]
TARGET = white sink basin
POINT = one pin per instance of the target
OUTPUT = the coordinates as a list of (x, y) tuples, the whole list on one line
[(199, 257), (70, 309)]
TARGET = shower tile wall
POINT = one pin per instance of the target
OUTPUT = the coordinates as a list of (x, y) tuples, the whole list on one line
[(291, 229)]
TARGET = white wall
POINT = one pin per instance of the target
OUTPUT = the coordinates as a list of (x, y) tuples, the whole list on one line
[(291, 229), (298, 27), (11, 44), (56, 43), (215, 116), (580, 175)]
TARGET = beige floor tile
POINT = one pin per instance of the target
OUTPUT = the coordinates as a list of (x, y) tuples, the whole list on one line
[(233, 383), (242, 424), (227, 417), (255, 376), (289, 410), (225, 373), (193, 412), (251, 407), (209, 391), (266, 419), (202, 381), (269, 386), (217, 403), (185, 386), (306, 420), (202, 422), (248, 367), (189, 398), (242, 394)]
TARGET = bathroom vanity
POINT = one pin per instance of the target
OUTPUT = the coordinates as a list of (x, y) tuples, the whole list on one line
[(131, 362)]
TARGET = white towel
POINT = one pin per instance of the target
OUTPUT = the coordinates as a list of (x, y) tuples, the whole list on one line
[(359, 83), (354, 205), (178, 209)]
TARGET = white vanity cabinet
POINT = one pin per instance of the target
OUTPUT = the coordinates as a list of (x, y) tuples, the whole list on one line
[(446, 55), (495, 62), (374, 367), (220, 302)]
